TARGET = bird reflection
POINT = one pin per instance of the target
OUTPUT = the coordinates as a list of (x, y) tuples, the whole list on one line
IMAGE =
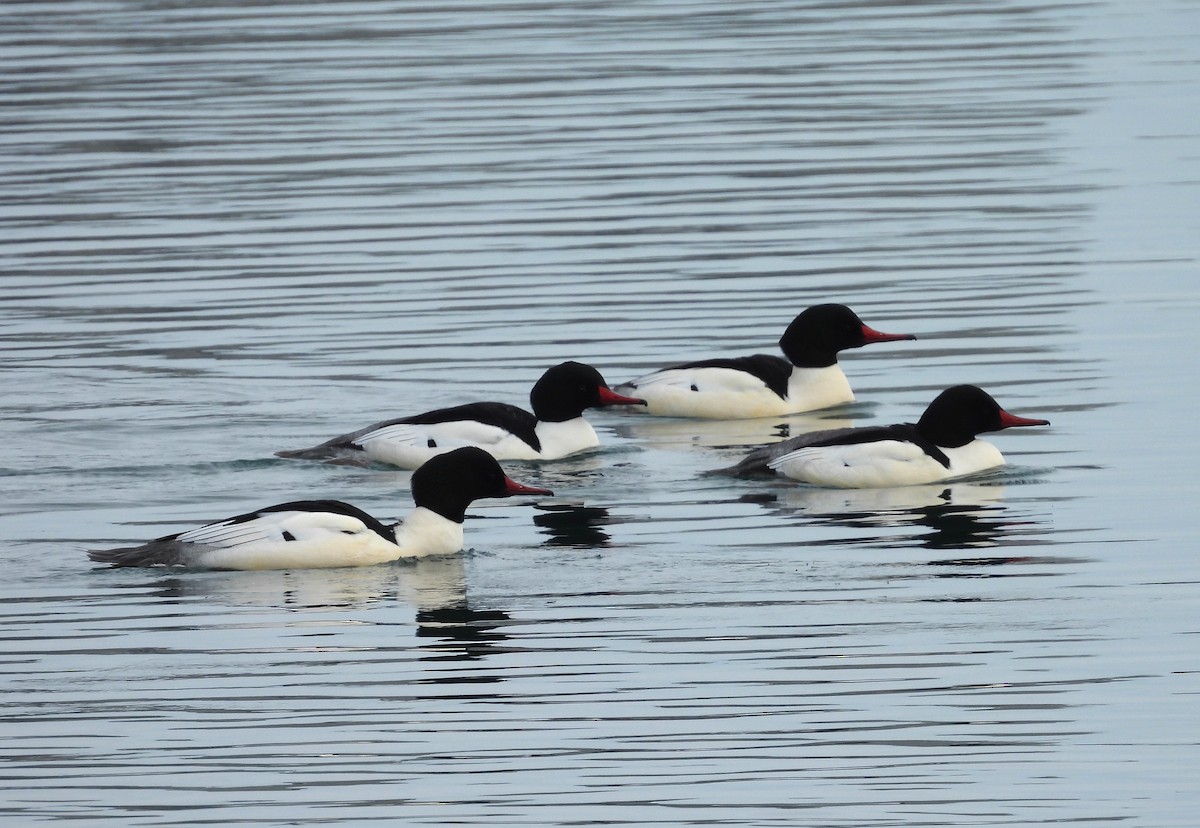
[(962, 515), (448, 627), (964, 526), (461, 633), (573, 525), (669, 433), (301, 590)]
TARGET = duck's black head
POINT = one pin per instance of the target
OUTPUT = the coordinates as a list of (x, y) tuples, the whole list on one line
[(568, 388), (448, 483), (815, 337), (958, 414)]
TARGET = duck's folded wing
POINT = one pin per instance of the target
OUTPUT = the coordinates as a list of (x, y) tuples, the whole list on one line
[(852, 465), (705, 380), (757, 461), (318, 523), (474, 424), (273, 527), (454, 434)]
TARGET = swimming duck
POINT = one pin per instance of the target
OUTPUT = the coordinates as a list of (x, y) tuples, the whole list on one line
[(763, 385), (555, 429), (311, 534), (942, 445)]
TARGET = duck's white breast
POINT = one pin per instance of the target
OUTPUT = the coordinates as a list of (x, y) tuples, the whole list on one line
[(566, 437), (810, 389), (425, 533)]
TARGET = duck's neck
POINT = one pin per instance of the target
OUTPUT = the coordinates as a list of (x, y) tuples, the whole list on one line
[(566, 437), (973, 457), (424, 532), (819, 387)]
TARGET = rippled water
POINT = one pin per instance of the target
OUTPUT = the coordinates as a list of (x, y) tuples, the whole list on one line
[(229, 230)]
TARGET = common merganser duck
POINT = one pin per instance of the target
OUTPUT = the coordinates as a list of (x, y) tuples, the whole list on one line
[(555, 429), (942, 445), (763, 385), (313, 534)]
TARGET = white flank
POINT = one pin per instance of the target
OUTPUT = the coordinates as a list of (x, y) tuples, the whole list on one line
[(883, 463), (408, 446), (729, 394), (320, 540)]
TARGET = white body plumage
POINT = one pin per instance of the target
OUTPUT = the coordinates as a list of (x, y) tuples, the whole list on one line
[(883, 463), (730, 394), (410, 445)]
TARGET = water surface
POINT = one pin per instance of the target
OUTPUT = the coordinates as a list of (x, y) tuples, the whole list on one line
[(231, 230)]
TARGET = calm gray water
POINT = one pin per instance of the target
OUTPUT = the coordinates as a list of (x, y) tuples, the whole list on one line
[(232, 229)]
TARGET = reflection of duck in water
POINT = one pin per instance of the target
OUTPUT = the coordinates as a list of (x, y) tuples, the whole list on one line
[(883, 502), (451, 627), (462, 633), (763, 385), (686, 434), (958, 515), (573, 525), (292, 590), (966, 525), (942, 445)]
